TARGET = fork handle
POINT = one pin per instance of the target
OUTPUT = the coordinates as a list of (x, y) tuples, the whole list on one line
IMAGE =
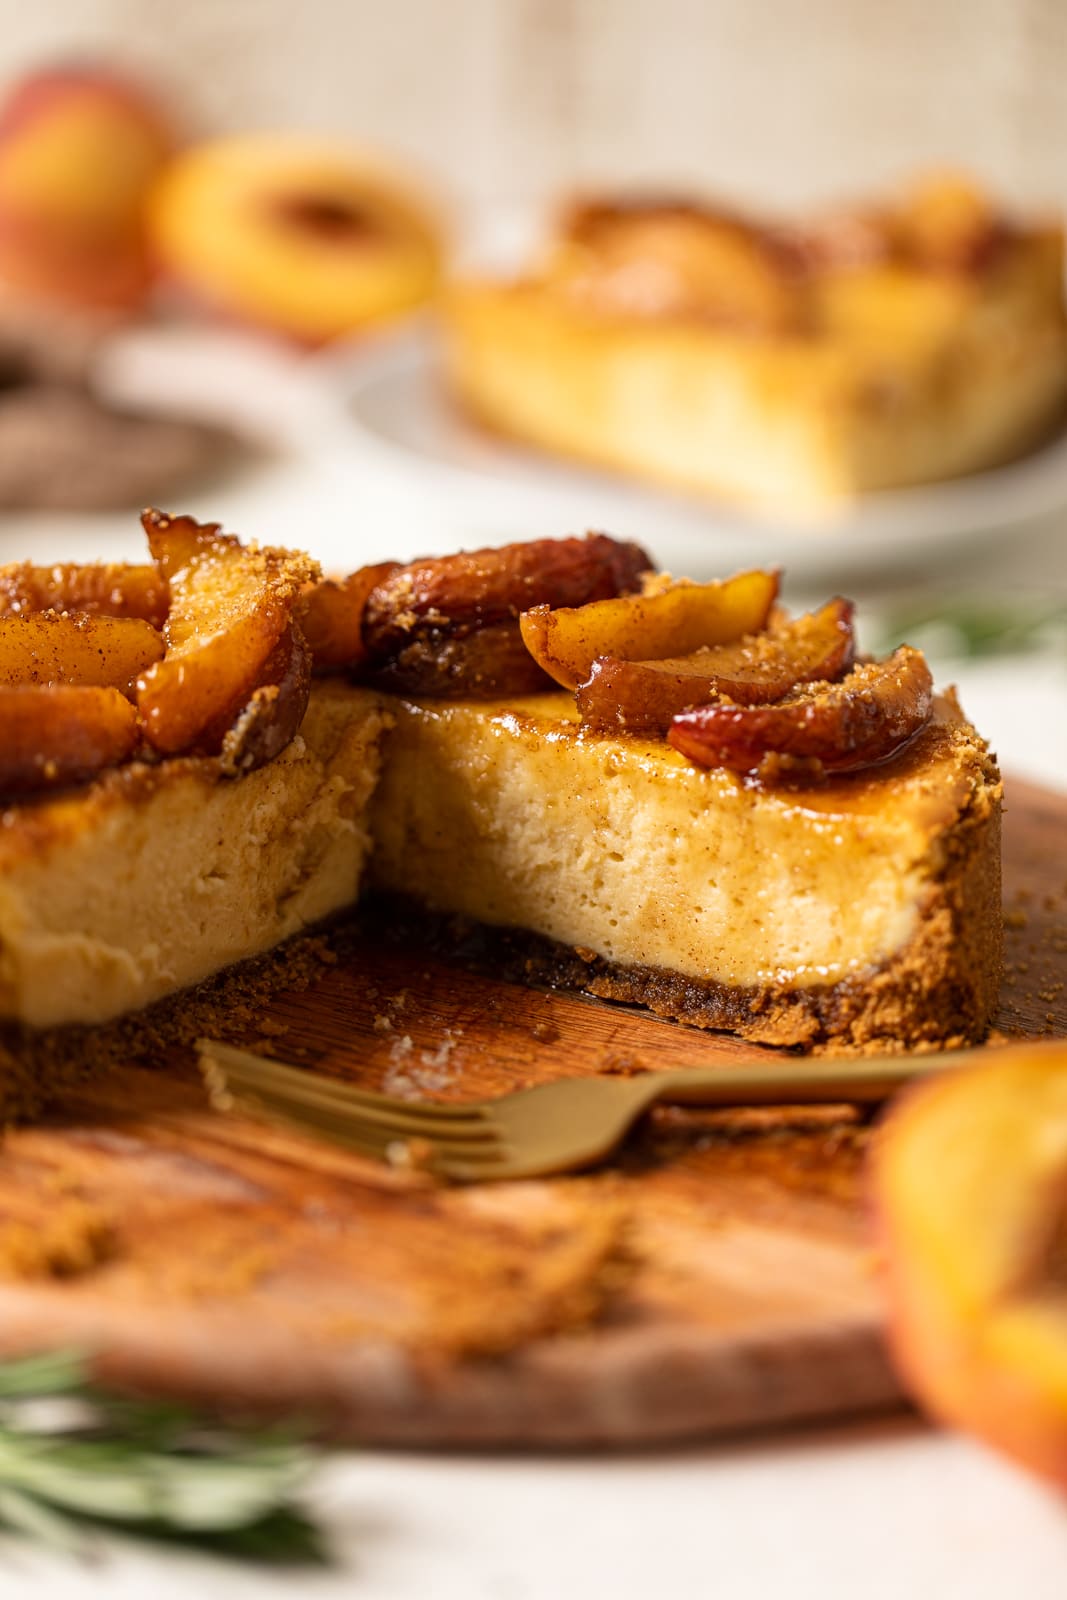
[(826, 1080)]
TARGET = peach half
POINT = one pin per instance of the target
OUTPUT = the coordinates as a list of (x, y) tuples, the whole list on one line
[(79, 149), (299, 236), (970, 1192)]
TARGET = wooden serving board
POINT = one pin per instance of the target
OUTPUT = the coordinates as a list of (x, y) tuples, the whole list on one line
[(718, 1276)]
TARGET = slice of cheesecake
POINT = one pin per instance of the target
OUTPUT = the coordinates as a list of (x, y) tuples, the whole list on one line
[(788, 370)]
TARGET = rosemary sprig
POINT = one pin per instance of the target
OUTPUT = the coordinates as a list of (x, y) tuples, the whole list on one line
[(974, 627), (74, 1458)]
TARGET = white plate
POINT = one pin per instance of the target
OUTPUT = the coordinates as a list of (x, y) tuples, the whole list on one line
[(370, 461), (448, 484)]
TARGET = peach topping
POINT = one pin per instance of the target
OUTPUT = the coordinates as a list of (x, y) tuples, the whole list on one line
[(228, 675), (844, 726), (731, 681), (450, 625), (758, 669), (59, 734)]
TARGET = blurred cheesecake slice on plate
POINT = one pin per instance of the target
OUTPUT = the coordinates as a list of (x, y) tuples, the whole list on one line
[(787, 371)]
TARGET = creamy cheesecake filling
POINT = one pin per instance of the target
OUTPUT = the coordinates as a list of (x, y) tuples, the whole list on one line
[(514, 817), (154, 878)]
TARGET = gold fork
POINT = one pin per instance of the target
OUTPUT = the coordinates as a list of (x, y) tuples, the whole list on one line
[(554, 1127)]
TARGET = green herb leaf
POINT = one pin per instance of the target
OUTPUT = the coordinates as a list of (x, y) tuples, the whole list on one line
[(969, 628), (72, 1455)]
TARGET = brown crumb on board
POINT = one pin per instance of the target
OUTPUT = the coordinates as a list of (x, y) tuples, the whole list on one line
[(75, 1237)]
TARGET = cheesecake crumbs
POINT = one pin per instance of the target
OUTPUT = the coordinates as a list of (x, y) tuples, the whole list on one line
[(433, 1071), (1035, 987), (75, 1237)]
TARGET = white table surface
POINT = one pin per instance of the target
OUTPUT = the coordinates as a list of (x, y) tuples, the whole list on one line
[(882, 1510), (879, 1512)]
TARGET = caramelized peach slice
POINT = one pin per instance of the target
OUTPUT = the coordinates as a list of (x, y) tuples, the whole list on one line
[(59, 735), (969, 1183), (230, 606), (643, 627), (39, 647), (479, 587), (275, 710), (177, 542), (493, 661), (331, 616), (644, 696), (844, 726), (108, 589)]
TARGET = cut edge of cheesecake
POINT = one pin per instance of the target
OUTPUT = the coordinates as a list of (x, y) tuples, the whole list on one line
[(941, 989), (155, 877), (698, 882)]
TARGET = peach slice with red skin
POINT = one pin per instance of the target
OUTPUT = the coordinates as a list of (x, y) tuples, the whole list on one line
[(969, 1182), (843, 726), (60, 735), (479, 587), (449, 625), (274, 710), (645, 696), (331, 616), (484, 665), (230, 606), (110, 589), (660, 623)]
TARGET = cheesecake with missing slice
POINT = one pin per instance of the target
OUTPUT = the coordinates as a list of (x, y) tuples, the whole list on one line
[(765, 834)]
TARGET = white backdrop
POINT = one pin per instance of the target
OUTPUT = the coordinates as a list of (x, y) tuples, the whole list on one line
[(778, 100)]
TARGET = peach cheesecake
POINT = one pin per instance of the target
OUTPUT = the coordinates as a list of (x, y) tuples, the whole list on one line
[(670, 793), (784, 368)]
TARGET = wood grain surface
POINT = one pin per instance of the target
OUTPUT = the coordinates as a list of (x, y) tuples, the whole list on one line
[(717, 1276)]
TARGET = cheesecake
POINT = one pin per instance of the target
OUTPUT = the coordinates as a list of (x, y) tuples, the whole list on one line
[(786, 369), (747, 827)]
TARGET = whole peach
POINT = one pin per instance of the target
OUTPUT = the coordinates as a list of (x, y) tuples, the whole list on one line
[(80, 147), (969, 1180)]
